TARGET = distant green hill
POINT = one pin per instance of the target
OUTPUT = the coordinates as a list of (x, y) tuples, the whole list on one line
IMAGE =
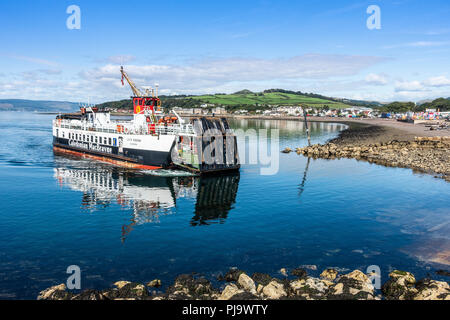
[(266, 99), (244, 99), (37, 105)]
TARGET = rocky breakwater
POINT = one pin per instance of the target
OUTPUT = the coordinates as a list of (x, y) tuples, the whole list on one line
[(292, 285), (424, 154)]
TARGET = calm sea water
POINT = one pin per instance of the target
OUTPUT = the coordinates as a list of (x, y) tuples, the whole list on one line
[(116, 224)]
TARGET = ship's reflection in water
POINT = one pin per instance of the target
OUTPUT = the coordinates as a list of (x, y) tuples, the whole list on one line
[(148, 198), (215, 197)]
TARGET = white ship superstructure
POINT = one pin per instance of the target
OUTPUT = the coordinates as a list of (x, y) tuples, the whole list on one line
[(130, 143)]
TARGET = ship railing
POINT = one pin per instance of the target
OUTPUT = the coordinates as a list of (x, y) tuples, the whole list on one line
[(187, 129), (183, 129)]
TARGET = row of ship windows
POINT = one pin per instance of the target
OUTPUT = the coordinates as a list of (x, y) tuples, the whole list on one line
[(93, 139)]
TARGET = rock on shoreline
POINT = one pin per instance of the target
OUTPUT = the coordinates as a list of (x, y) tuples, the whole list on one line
[(424, 154), (240, 286)]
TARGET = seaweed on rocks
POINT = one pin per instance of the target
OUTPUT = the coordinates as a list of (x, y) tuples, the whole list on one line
[(189, 287), (231, 276), (262, 278), (300, 273)]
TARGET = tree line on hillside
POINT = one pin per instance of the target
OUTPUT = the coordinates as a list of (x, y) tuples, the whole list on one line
[(126, 104), (441, 104), (185, 101)]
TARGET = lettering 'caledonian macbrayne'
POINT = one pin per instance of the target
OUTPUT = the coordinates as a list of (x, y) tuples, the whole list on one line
[(90, 146)]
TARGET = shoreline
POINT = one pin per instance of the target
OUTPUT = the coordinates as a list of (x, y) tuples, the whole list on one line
[(390, 144), (291, 285), (403, 130)]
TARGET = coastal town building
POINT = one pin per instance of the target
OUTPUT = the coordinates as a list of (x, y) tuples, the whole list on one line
[(219, 111)]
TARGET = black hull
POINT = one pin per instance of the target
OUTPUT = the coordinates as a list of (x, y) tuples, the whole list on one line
[(133, 156)]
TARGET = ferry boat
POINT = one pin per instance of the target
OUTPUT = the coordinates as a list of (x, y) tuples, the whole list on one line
[(150, 140)]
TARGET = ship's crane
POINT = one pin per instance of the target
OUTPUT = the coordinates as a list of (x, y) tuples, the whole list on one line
[(143, 103), (136, 91)]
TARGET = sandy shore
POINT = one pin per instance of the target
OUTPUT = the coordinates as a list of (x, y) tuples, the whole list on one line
[(388, 129), (384, 130)]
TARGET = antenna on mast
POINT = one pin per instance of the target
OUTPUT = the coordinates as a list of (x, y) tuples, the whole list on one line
[(148, 90)]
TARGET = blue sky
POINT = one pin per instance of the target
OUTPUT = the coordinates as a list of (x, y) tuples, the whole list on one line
[(193, 47)]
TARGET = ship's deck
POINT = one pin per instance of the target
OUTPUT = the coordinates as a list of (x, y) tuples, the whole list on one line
[(126, 127)]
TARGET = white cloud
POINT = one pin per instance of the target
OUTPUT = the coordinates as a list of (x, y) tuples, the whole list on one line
[(409, 86), (411, 96), (416, 90), (426, 86), (121, 59), (376, 79), (218, 72), (441, 81)]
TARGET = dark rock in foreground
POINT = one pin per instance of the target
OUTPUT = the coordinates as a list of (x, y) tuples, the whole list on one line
[(239, 286)]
